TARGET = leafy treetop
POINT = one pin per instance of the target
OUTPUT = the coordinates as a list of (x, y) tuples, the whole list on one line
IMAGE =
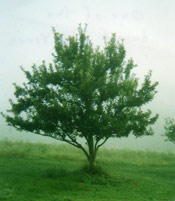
[(85, 93)]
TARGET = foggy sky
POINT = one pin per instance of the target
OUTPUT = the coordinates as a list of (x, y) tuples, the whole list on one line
[(148, 30)]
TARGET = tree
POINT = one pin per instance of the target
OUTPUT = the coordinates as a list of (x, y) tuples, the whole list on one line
[(86, 92), (169, 130)]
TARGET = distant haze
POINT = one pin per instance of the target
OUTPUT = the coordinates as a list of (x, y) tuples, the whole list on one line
[(147, 28)]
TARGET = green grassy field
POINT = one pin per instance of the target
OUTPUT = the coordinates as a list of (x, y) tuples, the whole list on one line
[(46, 172)]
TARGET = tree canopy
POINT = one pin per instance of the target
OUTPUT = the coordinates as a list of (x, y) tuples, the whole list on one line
[(169, 130), (87, 92)]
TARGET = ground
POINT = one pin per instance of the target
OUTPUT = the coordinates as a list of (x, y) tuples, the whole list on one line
[(43, 172)]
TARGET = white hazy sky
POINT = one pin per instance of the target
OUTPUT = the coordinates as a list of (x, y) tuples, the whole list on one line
[(148, 28)]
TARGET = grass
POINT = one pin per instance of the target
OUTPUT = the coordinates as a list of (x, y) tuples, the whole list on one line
[(46, 172)]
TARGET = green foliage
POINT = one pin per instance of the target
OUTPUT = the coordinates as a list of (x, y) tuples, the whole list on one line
[(169, 130), (85, 93)]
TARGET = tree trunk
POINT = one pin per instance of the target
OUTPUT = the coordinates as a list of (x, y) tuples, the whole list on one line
[(92, 163), (92, 155)]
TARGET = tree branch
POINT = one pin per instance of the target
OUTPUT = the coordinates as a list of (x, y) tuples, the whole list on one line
[(73, 142), (78, 145), (97, 146)]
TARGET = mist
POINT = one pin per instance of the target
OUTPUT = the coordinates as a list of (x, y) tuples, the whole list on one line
[(147, 28)]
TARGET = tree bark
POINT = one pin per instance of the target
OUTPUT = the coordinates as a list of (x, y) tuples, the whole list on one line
[(92, 163), (92, 154)]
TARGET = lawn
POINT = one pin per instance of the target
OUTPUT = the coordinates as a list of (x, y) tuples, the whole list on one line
[(50, 172)]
